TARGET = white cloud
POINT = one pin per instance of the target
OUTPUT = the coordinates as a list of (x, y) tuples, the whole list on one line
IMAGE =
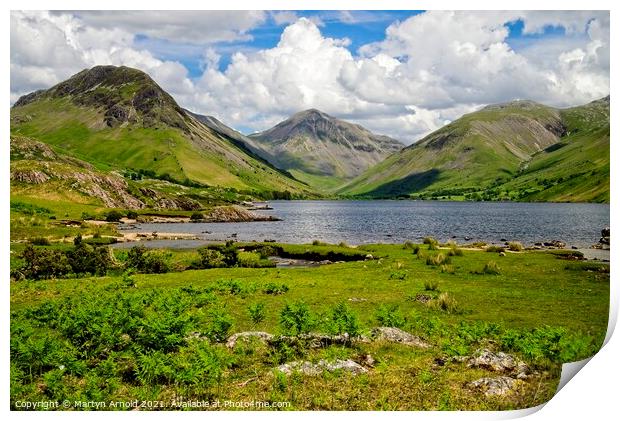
[(429, 69), (189, 26)]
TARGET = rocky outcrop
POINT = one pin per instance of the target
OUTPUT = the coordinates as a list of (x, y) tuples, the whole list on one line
[(236, 214), (29, 176), (392, 334), (244, 336), (605, 236), (494, 386), (310, 369), (498, 362)]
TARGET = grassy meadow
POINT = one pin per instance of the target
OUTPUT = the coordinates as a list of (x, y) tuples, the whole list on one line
[(161, 336)]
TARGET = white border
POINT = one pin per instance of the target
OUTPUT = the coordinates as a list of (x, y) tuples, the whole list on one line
[(591, 394)]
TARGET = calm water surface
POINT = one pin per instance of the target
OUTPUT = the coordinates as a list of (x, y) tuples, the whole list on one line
[(390, 221)]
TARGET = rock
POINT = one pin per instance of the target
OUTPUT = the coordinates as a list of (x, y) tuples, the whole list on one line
[(316, 340), (393, 334), (357, 300), (369, 257), (502, 254), (423, 298), (262, 336), (494, 386), (574, 247), (367, 360), (310, 369), (498, 362), (605, 232), (555, 243)]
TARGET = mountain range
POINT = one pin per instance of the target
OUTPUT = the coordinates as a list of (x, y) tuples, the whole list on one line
[(116, 124)]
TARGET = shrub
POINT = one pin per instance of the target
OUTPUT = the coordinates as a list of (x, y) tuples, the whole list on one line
[(296, 318), (113, 216), (266, 251), (447, 269), (445, 302), (44, 263), (253, 260), (429, 240), (343, 320), (86, 259), (343, 244), (142, 260), (40, 241), (390, 316), (416, 249), (431, 285), (132, 214), (515, 246), (257, 312), (398, 275), (491, 268), (210, 258), (495, 249), (455, 251), (408, 245), (319, 243), (275, 289), (197, 216), (437, 259)]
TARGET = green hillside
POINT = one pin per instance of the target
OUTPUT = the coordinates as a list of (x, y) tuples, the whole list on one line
[(515, 151), (118, 118)]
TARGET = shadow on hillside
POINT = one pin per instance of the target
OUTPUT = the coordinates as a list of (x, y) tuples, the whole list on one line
[(413, 183)]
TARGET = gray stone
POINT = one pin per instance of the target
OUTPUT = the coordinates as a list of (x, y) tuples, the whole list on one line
[(393, 334), (262, 336), (310, 369), (494, 386)]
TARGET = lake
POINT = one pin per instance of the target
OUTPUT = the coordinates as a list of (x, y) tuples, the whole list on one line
[(395, 221)]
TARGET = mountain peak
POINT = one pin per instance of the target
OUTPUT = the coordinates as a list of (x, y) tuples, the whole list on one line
[(125, 94)]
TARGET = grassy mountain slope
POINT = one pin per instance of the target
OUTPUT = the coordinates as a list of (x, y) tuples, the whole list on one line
[(322, 150), (515, 151), (119, 118)]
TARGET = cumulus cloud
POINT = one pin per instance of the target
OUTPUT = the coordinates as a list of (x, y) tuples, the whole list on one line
[(428, 70)]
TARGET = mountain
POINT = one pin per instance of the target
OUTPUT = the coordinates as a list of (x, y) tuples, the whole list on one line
[(520, 150), (320, 149), (119, 119)]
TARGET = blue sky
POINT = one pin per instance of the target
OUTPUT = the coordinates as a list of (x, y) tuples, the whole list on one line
[(365, 27), (432, 68)]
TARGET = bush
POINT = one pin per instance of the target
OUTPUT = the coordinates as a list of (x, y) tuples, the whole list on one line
[(416, 249), (447, 269), (390, 316), (431, 285), (257, 312), (40, 241), (491, 268), (343, 244), (84, 259), (455, 251), (445, 302), (319, 243), (437, 260), (275, 289), (197, 216), (44, 263), (247, 259), (144, 261), (343, 320), (495, 249), (132, 214), (408, 245), (113, 216), (515, 246), (296, 318), (432, 243), (210, 258)]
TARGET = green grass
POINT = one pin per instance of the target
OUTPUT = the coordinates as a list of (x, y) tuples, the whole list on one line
[(533, 290)]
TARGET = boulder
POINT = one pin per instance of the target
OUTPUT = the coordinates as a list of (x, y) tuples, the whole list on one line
[(393, 334), (498, 362), (494, 386), (310, 369)]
